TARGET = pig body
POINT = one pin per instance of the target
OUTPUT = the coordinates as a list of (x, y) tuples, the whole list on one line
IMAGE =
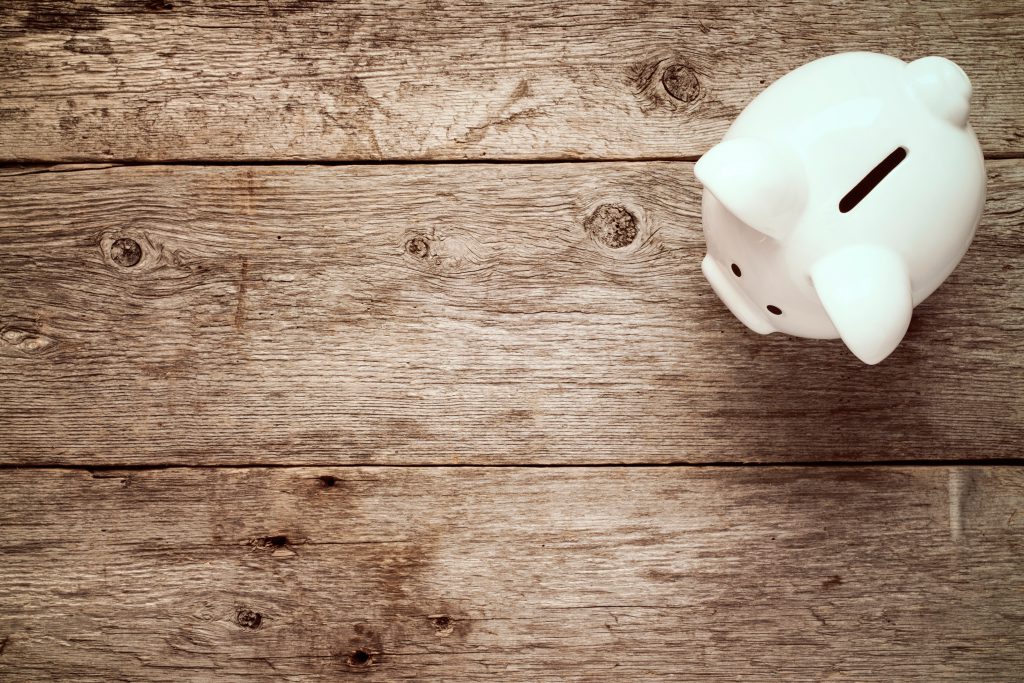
[(841, 197)]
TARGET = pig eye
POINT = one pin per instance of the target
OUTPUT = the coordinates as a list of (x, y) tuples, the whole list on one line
[(872, 179), (774, 310), (736, 270)]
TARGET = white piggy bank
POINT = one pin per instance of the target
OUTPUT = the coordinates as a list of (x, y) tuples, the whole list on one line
[(841, 197)]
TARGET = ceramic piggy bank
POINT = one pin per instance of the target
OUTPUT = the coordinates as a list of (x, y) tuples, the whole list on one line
[(842, 196)]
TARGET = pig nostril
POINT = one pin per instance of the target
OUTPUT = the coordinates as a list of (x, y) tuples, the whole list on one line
[(774, 309), (736, 270)]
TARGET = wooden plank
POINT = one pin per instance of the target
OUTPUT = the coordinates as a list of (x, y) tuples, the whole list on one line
[(522, 574), (427, 314), (303, 79)]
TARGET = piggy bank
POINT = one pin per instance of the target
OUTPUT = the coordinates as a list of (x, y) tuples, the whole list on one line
[(841, 197)]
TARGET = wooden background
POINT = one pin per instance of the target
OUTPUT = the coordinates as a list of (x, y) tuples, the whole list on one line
[(370, 339)]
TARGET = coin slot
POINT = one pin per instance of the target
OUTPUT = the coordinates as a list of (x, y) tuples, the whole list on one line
[(872, 179)]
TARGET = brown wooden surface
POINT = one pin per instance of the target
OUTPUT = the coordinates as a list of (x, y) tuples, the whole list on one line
[(524, 574), (428, 314), (387, 324), (303, 79)]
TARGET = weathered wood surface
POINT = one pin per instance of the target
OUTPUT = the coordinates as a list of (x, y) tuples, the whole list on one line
[(480, 314), (623, 574), (473, 314), (301, 79)]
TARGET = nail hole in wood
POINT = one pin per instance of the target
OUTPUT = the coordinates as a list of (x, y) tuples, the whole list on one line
[(443, 624), (832, 581), (269, 542), (327, 481), (247, 618), (125, 252), (359, 658), (613, 225)]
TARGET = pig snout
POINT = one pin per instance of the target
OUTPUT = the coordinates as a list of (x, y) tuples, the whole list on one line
[(732, 296)]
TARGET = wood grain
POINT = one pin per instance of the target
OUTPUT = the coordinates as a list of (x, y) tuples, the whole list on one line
[(422, 314), (525, 79), (867, 574)]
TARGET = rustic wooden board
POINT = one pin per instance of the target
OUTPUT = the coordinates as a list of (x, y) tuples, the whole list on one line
[(303, 79), (521, 574), (461, 313)]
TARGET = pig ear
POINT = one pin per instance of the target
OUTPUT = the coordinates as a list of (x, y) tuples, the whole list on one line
[(866, 292), (760, 183), (943, 87)]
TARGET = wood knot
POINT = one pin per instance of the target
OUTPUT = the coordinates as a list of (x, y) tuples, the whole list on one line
[(448, 251), (681, 83), (613, 225), (125, 252), (247, 618), (418, 247), (25, 341), (360, 657), (666, 79)]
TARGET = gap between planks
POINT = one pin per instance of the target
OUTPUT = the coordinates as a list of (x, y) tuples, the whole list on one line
[(44, 165), (804, 464)]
